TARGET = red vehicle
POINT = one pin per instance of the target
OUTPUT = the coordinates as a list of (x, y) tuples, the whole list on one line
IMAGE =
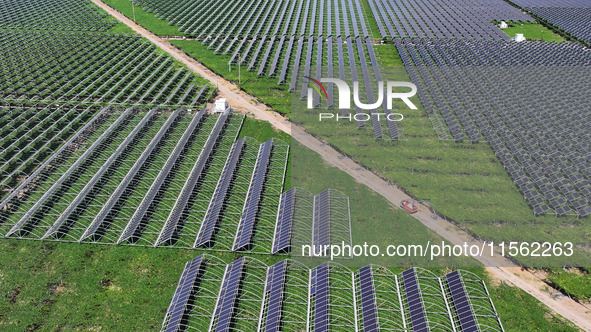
[(409, 206)]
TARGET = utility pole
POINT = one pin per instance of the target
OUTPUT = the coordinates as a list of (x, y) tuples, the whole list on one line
[(133, 9)]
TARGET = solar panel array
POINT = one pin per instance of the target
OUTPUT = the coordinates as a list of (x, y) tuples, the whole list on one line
[(553, 3), (182, 295), (461, 302), (53, 15), (275, 287), (87, 68), (136, 176), (459, 19), (538, 130), (287, 296), (283, 39), (226, 301), (316, 221), (418, 319), (368, 300), (251, 205), (34, 137), (321, 298), (574, 22), (321, 228)]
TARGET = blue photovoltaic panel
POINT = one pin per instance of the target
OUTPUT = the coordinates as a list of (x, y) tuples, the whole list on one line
[(460, 301), (321, 228), (276, 289), (251, 205), (152, 194), (217, 201), (229, 295), (171, 225), (179, 303), (321, 299), (368, 303), (284, 225), (415, 304)]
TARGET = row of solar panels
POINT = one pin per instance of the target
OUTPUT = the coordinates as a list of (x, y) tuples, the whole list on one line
[(68, 15), (460, 19), (101, 69), (319, 221), (123, 163), (546, 155), (289, 296)]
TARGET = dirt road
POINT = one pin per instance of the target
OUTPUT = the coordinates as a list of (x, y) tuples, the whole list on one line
[(566, 307)]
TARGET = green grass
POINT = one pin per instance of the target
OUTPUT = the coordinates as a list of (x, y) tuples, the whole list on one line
[(62, 286), (121, 28), (533, 31), (144, 18), (575, 283)]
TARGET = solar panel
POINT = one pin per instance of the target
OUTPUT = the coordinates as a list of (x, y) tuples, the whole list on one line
[(246, 225), (141, 211), (25, 218), (461, 302), (175, 216), (283, 227), (215, 205), (116, 195), (55, 155), (228, 296), (321, 299), (98, 175), (178, 306), (368, 302), (415, 303), (321, 221), (276, 288)]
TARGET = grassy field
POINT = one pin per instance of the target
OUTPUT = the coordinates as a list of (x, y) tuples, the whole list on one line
[(60, 286), (575, 282), (144, 18), (533, 31)]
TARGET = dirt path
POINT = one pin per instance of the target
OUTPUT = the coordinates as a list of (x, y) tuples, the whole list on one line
[(566, 307)]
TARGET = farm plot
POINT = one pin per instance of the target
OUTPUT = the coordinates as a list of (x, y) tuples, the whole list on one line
[(54, 15), (248, 295), (93, 69), (546, 155), (154, 178)]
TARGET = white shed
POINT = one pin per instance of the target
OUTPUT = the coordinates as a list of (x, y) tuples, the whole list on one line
[(220, 105), (519, 37)]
